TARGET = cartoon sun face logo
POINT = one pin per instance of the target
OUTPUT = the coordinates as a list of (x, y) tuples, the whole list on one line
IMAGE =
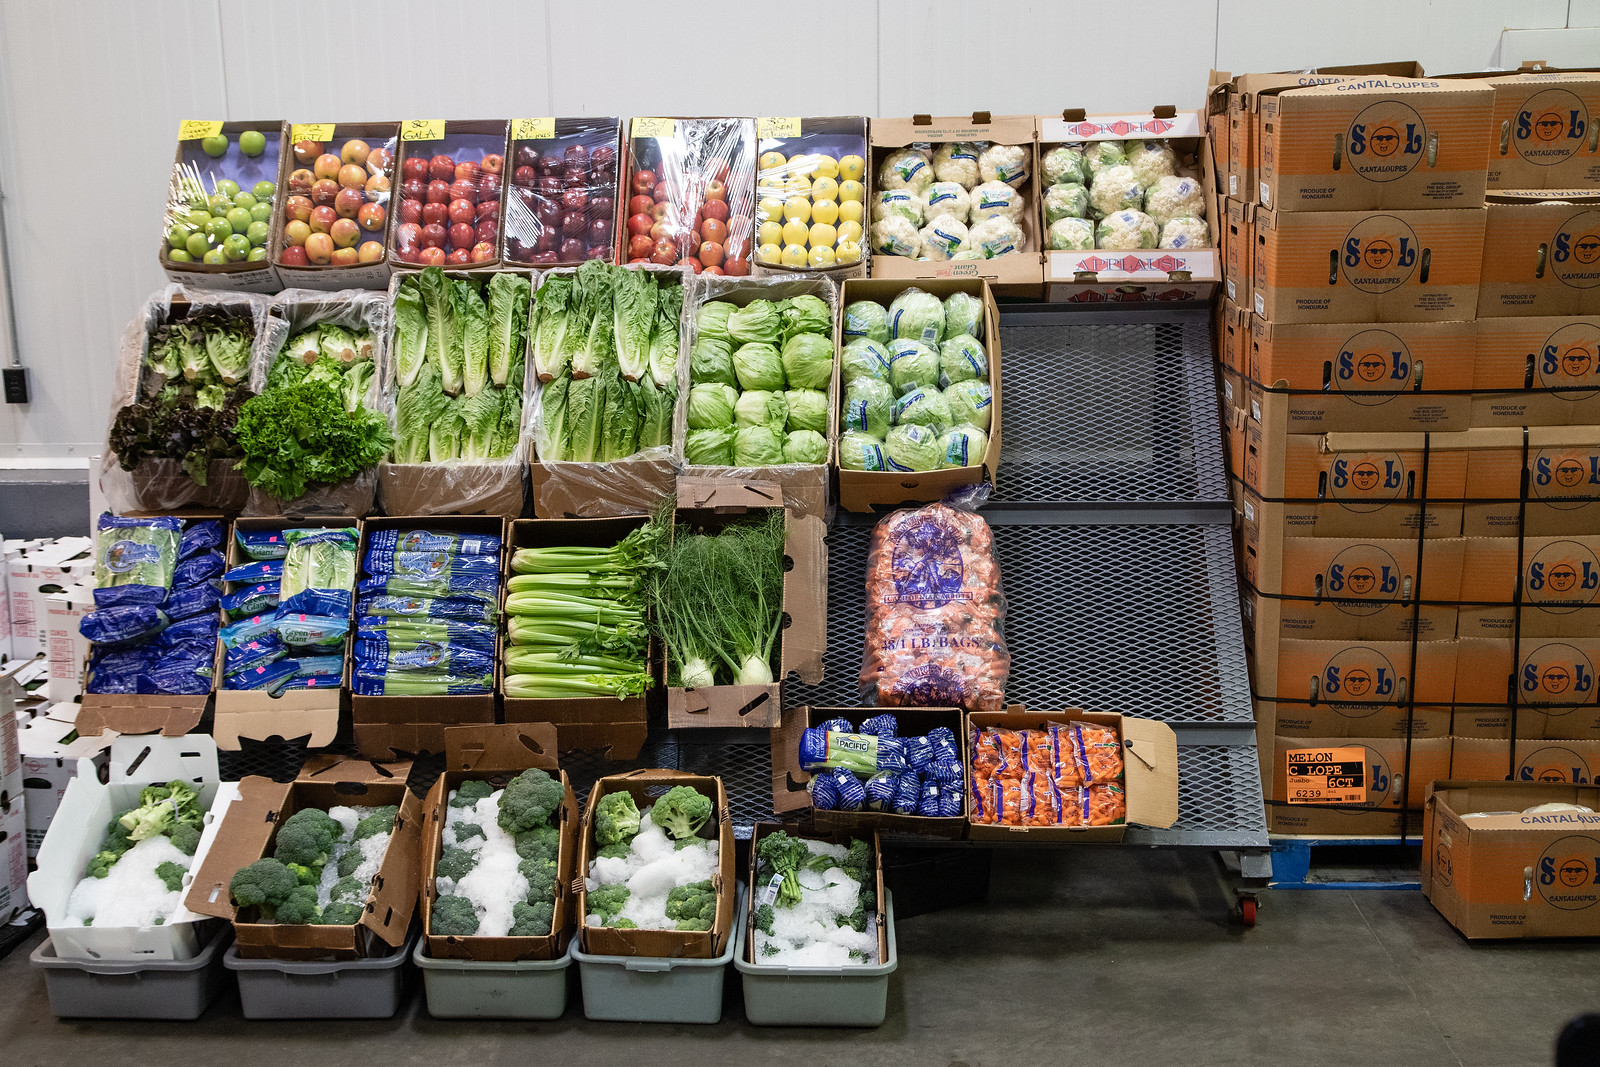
[(1361, 581), (1548, 126), (1550, 774), (1378, 254), (1586, 249), (1562, 577), (1569, 473), (1365, 476), (1371, 367), (1555, 679), (1576, 361), (1357, 682), (1573, 873), (1385, 141)]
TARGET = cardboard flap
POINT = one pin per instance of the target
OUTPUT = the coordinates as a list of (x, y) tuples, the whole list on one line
[(343, 769), (192, 758), (169, 716), (805, 598), (496, 748), (789, 791), (1150, 758), (397, 887), (727, 494), (251, 826)]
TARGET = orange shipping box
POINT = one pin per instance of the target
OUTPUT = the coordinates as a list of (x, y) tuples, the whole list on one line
[(1338, 785), (1560, 579), (1235, 422), (1303, 719), (1559, 465), (1518, 359), (1362, 674), (1233, 337), (1493, 759), (1543, 130), (1264, 519), (1515, 873), (1313, 378), (1359, 266), (1541, 257), (1362, 472), (1238, 247), (1552, 680)]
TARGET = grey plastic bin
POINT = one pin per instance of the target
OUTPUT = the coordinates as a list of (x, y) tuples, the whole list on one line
[(818, 996), (127, 989), (654, 989), (468, 989), (322, 989)]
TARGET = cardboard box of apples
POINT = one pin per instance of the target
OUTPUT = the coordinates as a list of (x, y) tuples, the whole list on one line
[(335, 207), (691, 194)]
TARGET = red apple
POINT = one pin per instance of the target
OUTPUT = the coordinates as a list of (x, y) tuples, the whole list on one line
[(640, 205), (298, 209), (408, 255), (414, 167), (632, 262), (548, 186), (319, 248), (442, 169), (411, 211), (462, 235), (351, 176), (370, 252), (710, 254), (640, 224), (348, 202), (715, 190), (736, 268), (355, 150), (345, 233), (466, 171), (666, 253), (300, 182), (600, 232), (574, 223), (327, 166), (323, 218), (549, 163), (371, 216), (433, 236), (716, 209), (488, 209), (640, 245), (713, 230), (546, 257), (414, 189), (572, 250), (575, 199), (486, 230), (306, 152), (525, 156), (380, 161), (524, 176), (604, 156), (462, 211), (462, 189), (717, 171), (377, 186), (659, 212), (712, 270), (494, 163), (661, 228), (739, 226), (438, 192), (293, 256), (431, 256), (665, 192), (548, 213), (439, 213), (602, 207), (547, 241), (489, 186), (598, 252), (457, 257), (407, 235), (694, 265), (644, 182), (482, 252)]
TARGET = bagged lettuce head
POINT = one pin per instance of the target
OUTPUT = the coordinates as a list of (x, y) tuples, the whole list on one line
[(712, 320), (864, 358), (808, 361), (759, 407), (868, 406), (963, 313), (808, 410), (962, 359), (864, 318), (711, 360), (806, 314), (860, 451), (925, 406), (912, 363), (757, 446), (709, 448), (969, 404), (912, 447), (711, 405), (758, 366), (758, 322), (963, 446), (805, 446), (917, 314)]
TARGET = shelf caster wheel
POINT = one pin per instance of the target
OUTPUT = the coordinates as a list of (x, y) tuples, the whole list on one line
[(1247, 912)]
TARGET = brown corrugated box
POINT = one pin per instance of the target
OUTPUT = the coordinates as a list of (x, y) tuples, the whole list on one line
[(867, 490), (1019, 273), (244, 276), (1560, 586), (789, 781), (592, 722), (709, 504), (1233, 340), (1553, 679), (1516, 354), (814, 134), (1238, 250), (384, 135), (1383, 781), (833, 837), (1492, 759), (534, 131), (1332, 518), (1296, 719), (497, 754), (1363, 472), (1363, 674), (1542, 128), (481, 131), (646, 787), (1541, 255), (247, 830), (1562, 479)]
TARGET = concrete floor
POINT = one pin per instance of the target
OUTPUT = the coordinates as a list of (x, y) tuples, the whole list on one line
[(1098, 957)]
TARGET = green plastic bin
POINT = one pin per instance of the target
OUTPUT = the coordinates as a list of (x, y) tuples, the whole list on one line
[(818, 996), (468, 989), (133, 989)]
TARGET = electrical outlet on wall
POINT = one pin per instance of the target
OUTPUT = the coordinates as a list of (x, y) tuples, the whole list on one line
[(16, 384)]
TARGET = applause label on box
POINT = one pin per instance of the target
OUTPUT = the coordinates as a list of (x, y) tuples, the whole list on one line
[(1327, 775)]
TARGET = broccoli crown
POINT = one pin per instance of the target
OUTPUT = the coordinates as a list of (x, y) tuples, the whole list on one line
[(624, 924), (453, 917), (300, 908), (786, 855), (171, 875), (541, 876), (116, 838), (531, 920), (341, 913), (693, 903), (349, 889), (185, 838), (858, 861), (529, 800), (305, 875), (616, 819), (608, 901), (615, 852), (455, 864), (305, 838), (469, 793), (161, 807), (350, 861), (694, 925), (101, 864), (764, 919), (466, 831), (381, 821), (856, 920), (265, 884), (540, 842), (681, 812)]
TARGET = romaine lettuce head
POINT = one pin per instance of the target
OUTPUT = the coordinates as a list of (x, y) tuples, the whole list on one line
[(757, 446), (925, 406), (807, 314), (709, 448), (864, 358), (963, 447), (860, 451), (970, 404), (711, 405), (962, 359), (759, 407), (912, 363), (805, 446), (917, 314), (868, 406), (712, 321), (963, 313), (757, 365), (808, 361), (808, 410), (759, 321), (912, 447), (711, 360), (863, 318)]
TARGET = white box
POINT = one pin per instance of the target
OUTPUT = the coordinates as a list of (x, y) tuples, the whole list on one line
[(10, 753), (34, 575), (13, 851), (67, 648), (23, 680), (51, 751), (76, 834)]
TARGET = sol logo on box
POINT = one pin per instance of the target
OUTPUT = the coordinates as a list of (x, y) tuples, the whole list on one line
[(1366, 572), (1557, 674), (1569, 357), (1550, 127), (1567, 480), (1575, 251), (1444, 871), (1566, 873), (1554, 763), (1373, 366), (1380, 253), (1562, 577), (1387, 141), (1364, 679), (1366, 482)]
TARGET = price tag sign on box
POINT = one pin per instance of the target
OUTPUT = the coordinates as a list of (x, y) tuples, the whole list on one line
[(422, 130), (1327, 775), (542, 129), (311, 131), (778, 128), (653, 127), (194, 129)]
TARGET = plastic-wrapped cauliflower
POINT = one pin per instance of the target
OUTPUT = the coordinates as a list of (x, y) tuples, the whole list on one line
[(995, 236), (947, 200), (1071, 234), (944, 237), (905, 168), (995, 198), (957, 162), (1069, 200), (967, 253), (1151, 160), (1004, 163), (1116, 189), (1185, 231), (1064, 163), (1171, 198), (897, 236), (898, 202), (1099, 155), (1124, 230)]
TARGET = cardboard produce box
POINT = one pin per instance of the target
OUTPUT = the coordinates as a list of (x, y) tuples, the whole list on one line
[(34, 575), (1355, 678), (1558, 465), (476, 141), (1351, 785), (497, 754), (248, 827), (790, 780), (1512, 875), (51, 751), (1238, 251), (832, 837), (1541, 131), (675, 159), (309, 713), (1360, 378), (194, 165), (1374, 144), (1541, 257), (869, 490), (842, 138), (1150, 775), (1235, 423), (1287, 718), (1527, 369), (1125, 276), (709, 505), (1559, 579), (1233, 337), (1362, 266), (1495, 759), (309, 140), (1362, 472), (68, 650), (646, 787), (536, 175), (616, 723), (1014, 273), (1331, 518), (1551, 679), (387, 725)]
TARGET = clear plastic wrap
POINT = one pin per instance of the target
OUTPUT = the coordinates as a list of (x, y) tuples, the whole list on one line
[(935, 610), (150, 411), (460, 431), (222, 197), (702, 170), (337, 197), (811, 193), (451, 178), (563, 204), (1057, 774), (1119, 184)]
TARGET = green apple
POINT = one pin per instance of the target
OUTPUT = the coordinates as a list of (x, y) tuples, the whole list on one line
[(227, 187), (219, 205), (215, 256), (178, 235), (244, 200), (216, 147), (264, 190), (198, 218), (239, 219), (252, 142), (257, 233), (178, 255), (256, 255), (236, 247), (219, 229), (261, 213), (198, 243)]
